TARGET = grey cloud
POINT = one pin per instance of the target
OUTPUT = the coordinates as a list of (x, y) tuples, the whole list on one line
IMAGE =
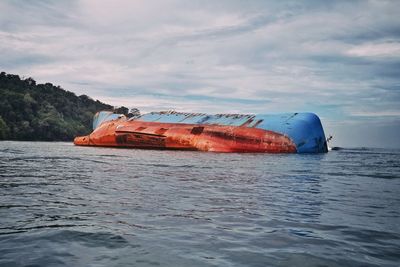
[(23, 61), (17, 15)]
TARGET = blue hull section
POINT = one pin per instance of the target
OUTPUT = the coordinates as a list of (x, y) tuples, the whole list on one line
[(304, 129)]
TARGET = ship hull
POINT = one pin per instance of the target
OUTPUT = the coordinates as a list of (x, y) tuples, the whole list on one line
[(285, 133)]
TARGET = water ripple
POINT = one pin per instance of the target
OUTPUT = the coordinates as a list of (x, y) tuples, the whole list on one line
[(63, 205)]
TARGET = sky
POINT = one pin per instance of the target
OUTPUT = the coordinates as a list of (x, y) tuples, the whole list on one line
[(338, 59)]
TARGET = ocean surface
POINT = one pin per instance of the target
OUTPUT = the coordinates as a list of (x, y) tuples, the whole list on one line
[(62, 205)]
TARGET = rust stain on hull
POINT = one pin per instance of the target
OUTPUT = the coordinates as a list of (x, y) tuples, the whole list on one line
[(181, 136)]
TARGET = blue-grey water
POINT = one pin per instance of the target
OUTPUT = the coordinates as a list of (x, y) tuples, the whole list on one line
[(62, 205)]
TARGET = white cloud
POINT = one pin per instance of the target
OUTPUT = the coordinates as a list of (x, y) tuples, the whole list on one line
[(387, 49), (381, 113)]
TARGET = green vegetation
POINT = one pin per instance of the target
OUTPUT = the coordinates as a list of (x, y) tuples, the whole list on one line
[(30, 111)]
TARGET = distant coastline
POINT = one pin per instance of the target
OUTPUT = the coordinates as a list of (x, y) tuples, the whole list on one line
[(44, 112)]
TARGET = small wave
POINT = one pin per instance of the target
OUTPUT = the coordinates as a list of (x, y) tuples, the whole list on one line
[(12, 151)]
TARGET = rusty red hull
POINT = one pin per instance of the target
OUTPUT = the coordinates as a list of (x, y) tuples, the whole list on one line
[(180, 136)]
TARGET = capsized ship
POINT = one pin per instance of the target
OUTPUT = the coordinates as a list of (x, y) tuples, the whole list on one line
[(275, 133)]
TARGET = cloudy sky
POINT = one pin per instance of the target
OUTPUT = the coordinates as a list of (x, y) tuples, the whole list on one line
[(338, 59)]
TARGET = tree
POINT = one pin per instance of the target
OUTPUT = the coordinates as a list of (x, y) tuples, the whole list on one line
[(121, 110), (31, 111), (3, 129)]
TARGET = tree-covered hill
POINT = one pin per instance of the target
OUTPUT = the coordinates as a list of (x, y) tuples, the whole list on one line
[(30, 111)]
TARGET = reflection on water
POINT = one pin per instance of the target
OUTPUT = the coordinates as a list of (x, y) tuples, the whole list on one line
[(62, 205)]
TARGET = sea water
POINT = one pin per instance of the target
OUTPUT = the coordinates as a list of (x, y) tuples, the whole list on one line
[(63, 205)]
